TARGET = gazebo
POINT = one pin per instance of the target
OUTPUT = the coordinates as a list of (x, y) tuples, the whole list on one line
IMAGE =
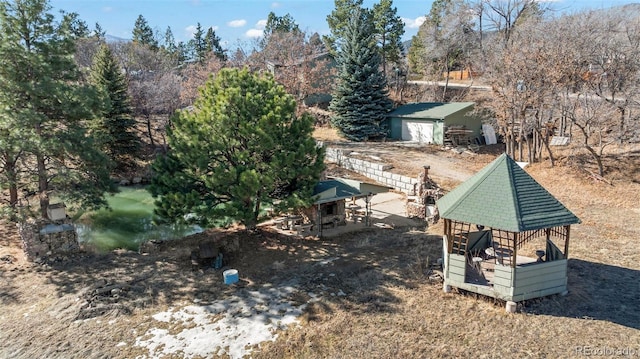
[(505, 236)]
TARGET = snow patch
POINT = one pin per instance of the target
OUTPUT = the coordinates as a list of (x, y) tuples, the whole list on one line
[(225, 327)]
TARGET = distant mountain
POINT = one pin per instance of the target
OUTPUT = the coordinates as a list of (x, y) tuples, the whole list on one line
[(629, 10), (407, 46), (113, 39)]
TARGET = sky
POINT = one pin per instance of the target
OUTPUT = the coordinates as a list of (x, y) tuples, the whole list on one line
[(239, 22)]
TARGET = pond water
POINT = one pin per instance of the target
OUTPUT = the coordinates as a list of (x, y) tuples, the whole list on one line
[(128, 223)]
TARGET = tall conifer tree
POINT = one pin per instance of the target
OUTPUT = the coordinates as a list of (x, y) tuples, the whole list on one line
[(239, 149), (115, 128), (360, 101), (44, 108), (212, 45), (143, 33)]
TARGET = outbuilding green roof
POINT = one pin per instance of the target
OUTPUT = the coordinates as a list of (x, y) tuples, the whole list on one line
[(335, 189), (430, 110), (504, 196)]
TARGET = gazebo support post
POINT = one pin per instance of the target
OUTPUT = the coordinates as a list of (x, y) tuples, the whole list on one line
[(515, 250), (567, 229), (447, 232)]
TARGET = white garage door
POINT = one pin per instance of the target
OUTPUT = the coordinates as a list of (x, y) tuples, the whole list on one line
[(417, 131)]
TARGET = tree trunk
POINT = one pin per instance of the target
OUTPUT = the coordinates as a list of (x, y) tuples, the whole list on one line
[(529, 149), (256, 211), (43, 182), (520, 148), (148, 118), (545, 141), (43, 185), (12, 176)]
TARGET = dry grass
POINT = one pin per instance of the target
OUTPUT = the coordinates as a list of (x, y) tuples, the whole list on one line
[(327, 134), (391, 307)]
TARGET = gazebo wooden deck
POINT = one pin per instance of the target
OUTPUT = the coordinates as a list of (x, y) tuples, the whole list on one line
[(505, 236)]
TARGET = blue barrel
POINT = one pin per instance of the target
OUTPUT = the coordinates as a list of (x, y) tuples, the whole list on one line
[(230, 276)]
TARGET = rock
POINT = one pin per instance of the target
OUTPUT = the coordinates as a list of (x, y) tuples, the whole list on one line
[(136, 180), (124, 182)]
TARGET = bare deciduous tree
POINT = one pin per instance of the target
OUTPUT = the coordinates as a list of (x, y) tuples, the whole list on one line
[(195, 75), (302, 66)]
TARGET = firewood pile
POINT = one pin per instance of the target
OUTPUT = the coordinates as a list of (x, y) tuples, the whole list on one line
[(109, 298)]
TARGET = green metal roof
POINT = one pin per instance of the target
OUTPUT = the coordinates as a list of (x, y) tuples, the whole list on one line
[(335, 189), (504, 196), (430, 110)]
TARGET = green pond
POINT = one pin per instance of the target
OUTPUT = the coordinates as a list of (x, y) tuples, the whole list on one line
[(128, 223)]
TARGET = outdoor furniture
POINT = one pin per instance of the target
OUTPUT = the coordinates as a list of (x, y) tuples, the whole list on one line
[(279, 222), (353, 211), (475, 263), (304, 228), (540, 253), (499, 253), (292, 220)]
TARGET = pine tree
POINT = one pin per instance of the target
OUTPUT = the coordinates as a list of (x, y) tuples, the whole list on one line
[(197, 45), (277, 24), (240, 149), (338, 21), (116, 125), (212, 45), (99, 33), (389, 29), (360, 101), (44, 108), (170, 41), (143, 33)]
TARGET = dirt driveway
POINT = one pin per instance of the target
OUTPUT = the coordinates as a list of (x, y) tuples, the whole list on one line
[(447, 167)]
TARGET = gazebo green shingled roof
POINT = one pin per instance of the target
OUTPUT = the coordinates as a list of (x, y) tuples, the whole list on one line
[(504, 196)]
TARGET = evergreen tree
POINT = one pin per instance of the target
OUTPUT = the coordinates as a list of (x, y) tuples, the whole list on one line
[(176, 53), (240, 149), (338, 21), (170, 41), (212, 45), (279, 24), (143, 33), (197, 45), (360, 100), (183, 52), (116, 125), (99, 33), (77, 26), (44, 108), (389, 29)]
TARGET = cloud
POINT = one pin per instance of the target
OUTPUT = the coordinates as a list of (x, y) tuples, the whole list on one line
[(258, 29), (413, 23), (237, 23), (275, 5), (254, 33), (190, 30), (261, 24), (107, 9)]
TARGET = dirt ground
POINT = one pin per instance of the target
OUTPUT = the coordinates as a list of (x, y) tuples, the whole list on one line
[(372, 293)]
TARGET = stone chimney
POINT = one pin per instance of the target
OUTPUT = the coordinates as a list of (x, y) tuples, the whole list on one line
[(426, 171)]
